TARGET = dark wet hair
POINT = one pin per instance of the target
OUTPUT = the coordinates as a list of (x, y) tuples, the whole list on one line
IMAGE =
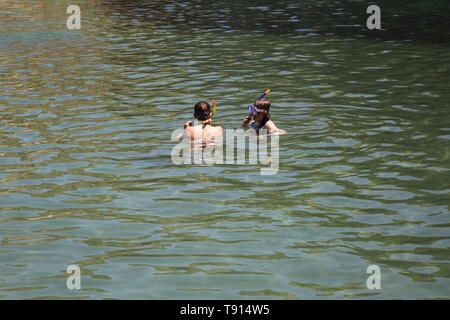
[(202, 110), (263, 106)]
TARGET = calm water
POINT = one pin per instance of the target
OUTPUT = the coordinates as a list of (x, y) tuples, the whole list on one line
[(86, 175)]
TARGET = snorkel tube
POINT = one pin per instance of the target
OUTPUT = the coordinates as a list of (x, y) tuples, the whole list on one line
[(265, 92), (252, 110), (214, 107)]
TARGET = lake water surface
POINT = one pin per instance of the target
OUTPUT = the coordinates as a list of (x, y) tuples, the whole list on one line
[(86, 175)]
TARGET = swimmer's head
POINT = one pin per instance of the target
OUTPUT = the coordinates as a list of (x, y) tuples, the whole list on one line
[(263, 104), (202, 111), (263, 111)]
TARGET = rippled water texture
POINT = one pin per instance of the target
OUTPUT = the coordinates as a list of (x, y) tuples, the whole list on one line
[(86, 175)]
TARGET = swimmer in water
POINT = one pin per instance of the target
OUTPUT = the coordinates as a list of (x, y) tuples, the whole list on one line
[(201, 131), (259, 117)]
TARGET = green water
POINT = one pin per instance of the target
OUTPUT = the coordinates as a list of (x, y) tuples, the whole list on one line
[(87, 178)]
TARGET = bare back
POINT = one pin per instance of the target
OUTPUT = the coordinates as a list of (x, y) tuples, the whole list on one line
[(205, 134)]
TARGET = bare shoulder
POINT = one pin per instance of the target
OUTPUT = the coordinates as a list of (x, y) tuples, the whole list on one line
[(270, 125), (189, 131), (218, 130), (273, 129), (193, 132)]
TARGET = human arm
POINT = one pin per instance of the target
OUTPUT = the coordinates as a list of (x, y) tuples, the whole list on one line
[(186, 129), (247, 119)]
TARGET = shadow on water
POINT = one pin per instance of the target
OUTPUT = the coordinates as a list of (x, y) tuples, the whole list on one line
[(425, 21)]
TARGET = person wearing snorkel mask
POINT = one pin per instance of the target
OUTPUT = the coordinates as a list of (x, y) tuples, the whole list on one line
[(201, 129), (258, 117)]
